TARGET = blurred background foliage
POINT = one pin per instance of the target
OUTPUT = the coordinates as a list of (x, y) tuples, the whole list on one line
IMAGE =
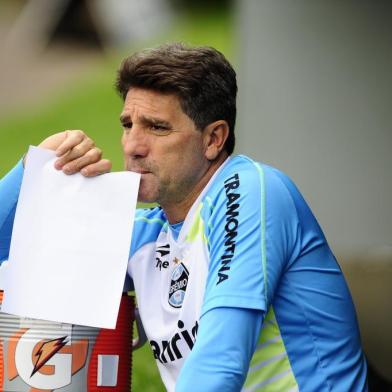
[(89, 102)]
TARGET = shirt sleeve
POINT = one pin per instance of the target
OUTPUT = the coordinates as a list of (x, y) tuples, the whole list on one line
[(9, 193), (252, 232), (220, 359)]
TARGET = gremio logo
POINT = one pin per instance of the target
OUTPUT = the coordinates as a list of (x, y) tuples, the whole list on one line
[(178, 285), (44, 364)]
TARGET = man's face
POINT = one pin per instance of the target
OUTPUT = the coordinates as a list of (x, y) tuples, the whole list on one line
[(162, 143)]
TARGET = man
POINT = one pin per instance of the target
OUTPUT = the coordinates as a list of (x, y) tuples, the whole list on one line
[(236, 285)]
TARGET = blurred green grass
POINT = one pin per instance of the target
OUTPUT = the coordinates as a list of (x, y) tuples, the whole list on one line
[(91, 104)]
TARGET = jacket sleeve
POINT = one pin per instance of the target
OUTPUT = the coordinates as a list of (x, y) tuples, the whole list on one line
[(9, 193), (220, 359)]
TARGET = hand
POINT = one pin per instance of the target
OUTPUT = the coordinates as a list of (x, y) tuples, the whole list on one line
[(77, 153)]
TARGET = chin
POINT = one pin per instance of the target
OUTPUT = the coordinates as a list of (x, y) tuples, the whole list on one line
[(147, 192), (145, 197)]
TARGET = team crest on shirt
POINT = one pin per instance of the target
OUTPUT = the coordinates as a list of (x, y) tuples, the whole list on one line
[(178, 285)]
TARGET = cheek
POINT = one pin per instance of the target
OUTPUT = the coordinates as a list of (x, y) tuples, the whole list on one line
[(179, 159), (194, 154), (187, 167)]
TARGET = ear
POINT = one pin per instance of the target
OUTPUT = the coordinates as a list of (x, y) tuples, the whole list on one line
[(215, 136)]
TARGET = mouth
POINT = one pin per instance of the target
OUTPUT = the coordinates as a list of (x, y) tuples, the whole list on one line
[(140, 171)]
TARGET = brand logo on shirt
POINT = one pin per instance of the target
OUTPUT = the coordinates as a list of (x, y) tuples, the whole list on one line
[(231, 226), (169, 350), (178, 285), (161, 256)]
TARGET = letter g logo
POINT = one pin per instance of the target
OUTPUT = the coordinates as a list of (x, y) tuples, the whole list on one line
[(55, 372), (45, 363)]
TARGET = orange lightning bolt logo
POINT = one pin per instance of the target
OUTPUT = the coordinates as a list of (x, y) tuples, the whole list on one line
[(47, 350)]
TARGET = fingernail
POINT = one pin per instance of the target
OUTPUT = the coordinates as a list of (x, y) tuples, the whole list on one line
[(84, 172)]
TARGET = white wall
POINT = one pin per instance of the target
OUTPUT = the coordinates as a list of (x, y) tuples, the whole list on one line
[(315, 80)]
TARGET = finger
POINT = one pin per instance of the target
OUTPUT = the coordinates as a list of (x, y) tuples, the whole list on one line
[(101, 167), (92, 156), (53, 141), (72, 138), (76, 152)]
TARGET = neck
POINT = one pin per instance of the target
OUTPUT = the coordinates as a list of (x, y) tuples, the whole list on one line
[(177, 212)]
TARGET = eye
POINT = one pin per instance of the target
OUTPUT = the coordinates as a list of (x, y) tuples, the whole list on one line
[(127, 125), (159, 129)]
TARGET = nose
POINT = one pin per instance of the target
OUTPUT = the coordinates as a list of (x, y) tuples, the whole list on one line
[(135, 143)]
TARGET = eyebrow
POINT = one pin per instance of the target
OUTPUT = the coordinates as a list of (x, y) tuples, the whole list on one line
[(124, 118), (146, 120)]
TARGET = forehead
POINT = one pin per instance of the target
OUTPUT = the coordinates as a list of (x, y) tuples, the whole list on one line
[(140, 101)]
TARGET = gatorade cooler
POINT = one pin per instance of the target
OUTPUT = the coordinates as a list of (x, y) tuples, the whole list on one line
[(43, 356)]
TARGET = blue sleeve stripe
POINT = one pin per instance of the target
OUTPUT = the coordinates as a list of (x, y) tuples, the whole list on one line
[(262, 220)]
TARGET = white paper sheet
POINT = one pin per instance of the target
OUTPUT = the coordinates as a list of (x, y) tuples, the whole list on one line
[(70, 244)]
